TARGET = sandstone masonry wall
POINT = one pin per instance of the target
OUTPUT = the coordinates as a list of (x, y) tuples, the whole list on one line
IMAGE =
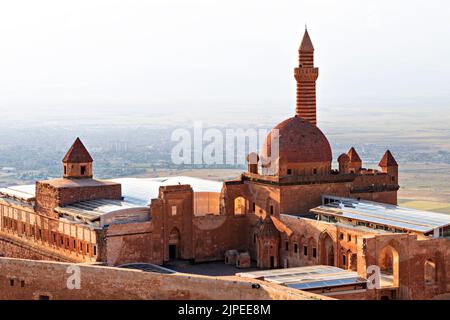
[(26, 279)]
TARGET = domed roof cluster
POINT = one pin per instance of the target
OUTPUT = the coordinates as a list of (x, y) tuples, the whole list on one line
[(299, 141)]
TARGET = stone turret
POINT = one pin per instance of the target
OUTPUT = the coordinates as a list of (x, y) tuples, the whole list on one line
[(252, 160), (77, 164), (355, 161), (344, 163), (389, 165)]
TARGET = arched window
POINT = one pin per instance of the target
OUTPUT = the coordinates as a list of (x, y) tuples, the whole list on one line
[(430, 272), (239, 206)]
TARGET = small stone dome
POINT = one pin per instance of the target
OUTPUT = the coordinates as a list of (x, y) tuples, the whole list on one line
[(343, 158)]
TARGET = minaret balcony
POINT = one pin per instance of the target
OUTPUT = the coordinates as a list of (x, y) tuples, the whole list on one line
[(306, 74)]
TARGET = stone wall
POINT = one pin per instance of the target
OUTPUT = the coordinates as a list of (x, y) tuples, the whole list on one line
[(49, 196), (214, 235), (14, 248), (127, 243), (55, 239), (27, 279)]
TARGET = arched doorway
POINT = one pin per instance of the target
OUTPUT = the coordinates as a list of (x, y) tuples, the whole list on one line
[(174, 244), (388, 261), (326, 250), (430, 274)]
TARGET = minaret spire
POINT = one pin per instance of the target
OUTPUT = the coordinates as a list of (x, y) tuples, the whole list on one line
[(306, 76)]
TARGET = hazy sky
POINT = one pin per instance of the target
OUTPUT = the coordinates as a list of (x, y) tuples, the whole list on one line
[(120, 53)]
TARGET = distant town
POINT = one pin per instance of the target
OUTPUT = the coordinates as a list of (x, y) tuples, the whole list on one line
[(34, 153)]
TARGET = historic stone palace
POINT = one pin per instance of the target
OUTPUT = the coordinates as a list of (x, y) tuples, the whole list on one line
[(290, 209)]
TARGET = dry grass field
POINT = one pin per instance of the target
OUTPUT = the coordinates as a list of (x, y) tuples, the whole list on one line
[(425, 187)]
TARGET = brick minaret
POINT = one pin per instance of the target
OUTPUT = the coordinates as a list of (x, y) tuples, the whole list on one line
[(306, 76)]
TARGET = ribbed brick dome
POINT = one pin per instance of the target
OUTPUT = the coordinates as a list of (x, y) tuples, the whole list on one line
[(299, 142)]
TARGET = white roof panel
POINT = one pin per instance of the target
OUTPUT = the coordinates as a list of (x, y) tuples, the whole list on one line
[(140, 191), (137, 191), (22, 192)]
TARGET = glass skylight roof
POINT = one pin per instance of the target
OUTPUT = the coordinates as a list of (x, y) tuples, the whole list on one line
[(311, 277), (94, 208), (326, 283), (384, 214)]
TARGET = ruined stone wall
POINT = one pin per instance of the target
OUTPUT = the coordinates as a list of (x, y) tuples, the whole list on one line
[(299, 199), (258, 197), (128, 243), (46, 200), (48, 197), (389, 197), (214, 235), (15, 248), (26, 279), (72, 195), (409, 267), (51, 238), (346, 241), (380, 187), (201, 238)]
